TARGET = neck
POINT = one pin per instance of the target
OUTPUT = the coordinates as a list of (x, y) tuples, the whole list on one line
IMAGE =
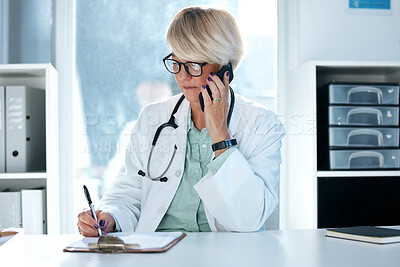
[(197, 116)]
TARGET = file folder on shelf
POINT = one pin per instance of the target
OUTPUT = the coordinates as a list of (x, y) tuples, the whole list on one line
[(10, 207), (2, 131), (25, 129), (33, 211)]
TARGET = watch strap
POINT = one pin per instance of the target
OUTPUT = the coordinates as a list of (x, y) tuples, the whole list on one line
[(224, 144)]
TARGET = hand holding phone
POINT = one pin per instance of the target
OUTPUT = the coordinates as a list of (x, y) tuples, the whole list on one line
[(220, 74)]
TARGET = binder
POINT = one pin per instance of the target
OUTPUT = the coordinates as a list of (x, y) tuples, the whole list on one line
[(33, 211), (127, 243), (25, 129), (10, 207), (2, 131)]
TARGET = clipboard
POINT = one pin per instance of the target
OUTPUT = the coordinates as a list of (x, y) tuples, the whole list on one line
[(7, 234), (114, 244)]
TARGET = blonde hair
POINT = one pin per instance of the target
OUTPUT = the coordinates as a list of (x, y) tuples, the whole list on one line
[(205, 34)]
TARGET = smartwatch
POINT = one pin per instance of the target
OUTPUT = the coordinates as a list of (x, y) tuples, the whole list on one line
[(224, 144)]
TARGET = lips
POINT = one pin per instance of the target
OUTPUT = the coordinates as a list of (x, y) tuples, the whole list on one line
[(189, 87)]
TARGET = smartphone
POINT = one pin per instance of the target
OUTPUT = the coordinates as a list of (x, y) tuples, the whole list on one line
[(220, 74)]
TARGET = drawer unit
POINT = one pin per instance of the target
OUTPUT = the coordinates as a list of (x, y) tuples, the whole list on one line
[(353, 137), (364, 94), (364, 159), (363, 116)]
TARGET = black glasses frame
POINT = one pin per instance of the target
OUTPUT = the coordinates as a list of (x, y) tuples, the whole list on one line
[(184, 65)]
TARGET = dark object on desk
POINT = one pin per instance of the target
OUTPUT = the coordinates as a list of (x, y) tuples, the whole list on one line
[(369, 234)]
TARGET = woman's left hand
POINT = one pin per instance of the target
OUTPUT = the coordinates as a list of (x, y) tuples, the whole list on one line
[(216, 110)]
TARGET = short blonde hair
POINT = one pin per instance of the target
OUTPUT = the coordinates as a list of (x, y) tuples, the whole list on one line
[(205, 34)]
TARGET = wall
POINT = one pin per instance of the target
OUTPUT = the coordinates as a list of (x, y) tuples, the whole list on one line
[(327, 30)]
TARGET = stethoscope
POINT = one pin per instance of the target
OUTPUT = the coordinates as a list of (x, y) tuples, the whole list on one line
[(171, 123)]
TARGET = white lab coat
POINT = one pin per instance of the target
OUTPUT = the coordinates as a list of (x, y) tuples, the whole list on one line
[(239, 197)]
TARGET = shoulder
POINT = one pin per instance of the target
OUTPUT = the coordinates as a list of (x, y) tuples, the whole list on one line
[(255, 124), (154, 113), (159, 111), (246, 108), (165, 105)]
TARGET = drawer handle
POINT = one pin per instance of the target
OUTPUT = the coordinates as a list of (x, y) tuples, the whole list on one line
[(368, 159), (353, 118), (365, 94), (359, 136)]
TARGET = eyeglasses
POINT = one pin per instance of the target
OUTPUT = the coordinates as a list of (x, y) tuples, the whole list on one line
[(194, 69)]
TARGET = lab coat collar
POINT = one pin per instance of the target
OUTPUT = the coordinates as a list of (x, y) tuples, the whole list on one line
[(181, 116)]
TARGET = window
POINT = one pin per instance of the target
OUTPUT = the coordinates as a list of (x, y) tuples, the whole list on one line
[(119, 51)]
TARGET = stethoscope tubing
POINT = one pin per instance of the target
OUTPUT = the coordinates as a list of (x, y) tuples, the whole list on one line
[(169, 164), (171, 123)]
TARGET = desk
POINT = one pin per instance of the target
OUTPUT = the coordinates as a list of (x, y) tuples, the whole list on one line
[(296, 248)]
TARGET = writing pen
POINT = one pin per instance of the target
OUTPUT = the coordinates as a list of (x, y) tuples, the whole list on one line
[(91, 206)]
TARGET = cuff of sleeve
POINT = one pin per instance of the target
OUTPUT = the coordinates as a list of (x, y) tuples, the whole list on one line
[(216, 164), (117, 227)]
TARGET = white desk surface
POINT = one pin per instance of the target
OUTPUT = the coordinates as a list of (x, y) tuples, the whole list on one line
[(309, 248)]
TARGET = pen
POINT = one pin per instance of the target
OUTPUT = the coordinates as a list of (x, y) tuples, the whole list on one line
[(87, 195)]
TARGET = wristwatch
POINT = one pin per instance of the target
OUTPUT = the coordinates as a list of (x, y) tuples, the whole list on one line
[(224, 144)]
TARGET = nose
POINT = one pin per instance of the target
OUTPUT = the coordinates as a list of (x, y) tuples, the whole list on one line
[(183, 75)]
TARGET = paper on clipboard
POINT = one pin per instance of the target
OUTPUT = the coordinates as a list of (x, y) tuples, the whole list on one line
[(145, 242)]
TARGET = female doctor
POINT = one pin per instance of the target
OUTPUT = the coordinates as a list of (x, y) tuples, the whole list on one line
[(189, 170)]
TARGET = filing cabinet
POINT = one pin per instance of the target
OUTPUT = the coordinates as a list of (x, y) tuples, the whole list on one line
[(353, 137), (364, 159), (320, 196), (362, 93), (358, 126), (363, 116)]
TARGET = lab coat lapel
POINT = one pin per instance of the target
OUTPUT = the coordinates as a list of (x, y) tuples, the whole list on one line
[(162, 193)]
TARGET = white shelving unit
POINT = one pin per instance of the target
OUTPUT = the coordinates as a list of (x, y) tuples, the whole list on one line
[(45, 77), (301, 139)]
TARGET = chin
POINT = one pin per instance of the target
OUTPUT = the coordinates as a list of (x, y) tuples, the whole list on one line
[(192, 96)]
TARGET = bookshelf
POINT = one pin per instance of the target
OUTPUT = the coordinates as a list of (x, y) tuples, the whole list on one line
[(45, 77)]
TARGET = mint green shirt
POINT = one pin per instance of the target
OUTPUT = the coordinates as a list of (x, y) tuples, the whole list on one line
[(186, 211)]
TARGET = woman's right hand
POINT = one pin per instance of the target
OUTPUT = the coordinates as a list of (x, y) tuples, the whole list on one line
[(88, 225)]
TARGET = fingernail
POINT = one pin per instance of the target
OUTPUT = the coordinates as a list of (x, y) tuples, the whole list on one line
[(227, 73), (101, 223), (203, 86), (212, 74), (209, 79), (95, 226)]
